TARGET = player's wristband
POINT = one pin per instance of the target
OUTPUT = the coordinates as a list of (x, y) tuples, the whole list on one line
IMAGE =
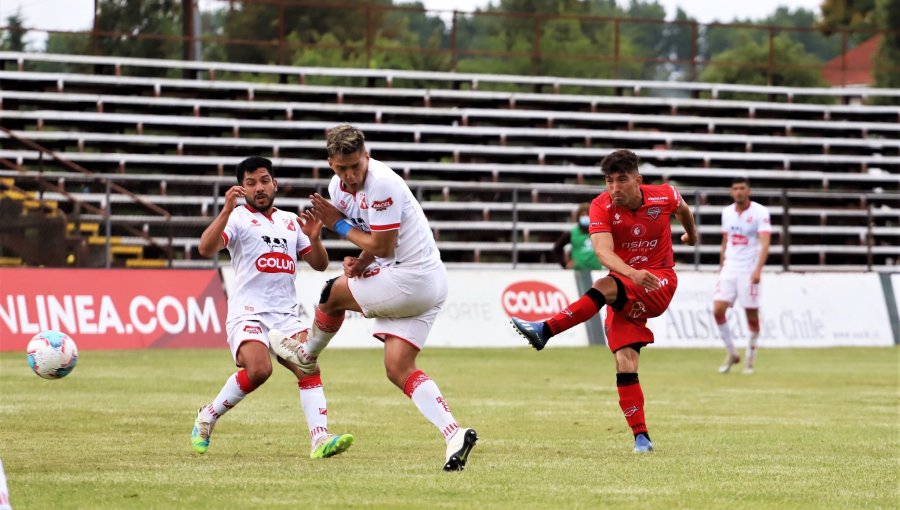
[(342, 227)]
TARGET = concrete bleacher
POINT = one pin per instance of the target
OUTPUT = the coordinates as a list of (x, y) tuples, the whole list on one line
[(497, 171)]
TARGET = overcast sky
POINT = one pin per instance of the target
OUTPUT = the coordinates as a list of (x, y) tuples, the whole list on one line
[(77, 14)]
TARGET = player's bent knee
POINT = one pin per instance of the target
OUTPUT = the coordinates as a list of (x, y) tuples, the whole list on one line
[(259, 374), (621, 296)]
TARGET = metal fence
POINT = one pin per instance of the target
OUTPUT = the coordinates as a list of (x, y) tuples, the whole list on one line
[(460, 44)]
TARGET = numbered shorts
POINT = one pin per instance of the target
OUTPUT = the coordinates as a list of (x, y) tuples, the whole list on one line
[(731, 287), (255, 328), (629, 325), (404, 301)]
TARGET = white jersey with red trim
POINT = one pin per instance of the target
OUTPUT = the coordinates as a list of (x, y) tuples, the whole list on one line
[(264, 254), (742, 230), (385, 202)]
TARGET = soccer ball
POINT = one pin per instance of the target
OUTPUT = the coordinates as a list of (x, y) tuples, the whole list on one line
[(52, 354)]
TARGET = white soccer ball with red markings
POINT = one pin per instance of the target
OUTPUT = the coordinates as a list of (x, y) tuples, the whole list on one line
[(52, 354)]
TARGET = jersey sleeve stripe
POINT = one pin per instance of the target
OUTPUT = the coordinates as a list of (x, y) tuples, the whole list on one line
[(304, 251), (225, 238), (379, 228)]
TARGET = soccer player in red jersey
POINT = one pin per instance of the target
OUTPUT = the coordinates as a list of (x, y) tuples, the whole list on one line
[(632, 236)]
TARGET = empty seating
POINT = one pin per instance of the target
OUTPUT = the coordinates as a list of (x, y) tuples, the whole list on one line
[(498, 173)]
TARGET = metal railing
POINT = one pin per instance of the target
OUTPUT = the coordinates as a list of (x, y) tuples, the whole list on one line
[(108, 183), (280, 48)]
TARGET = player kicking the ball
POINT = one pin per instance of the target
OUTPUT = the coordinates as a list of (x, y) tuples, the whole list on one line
[(632, 236), (265, 244), (398, 278)]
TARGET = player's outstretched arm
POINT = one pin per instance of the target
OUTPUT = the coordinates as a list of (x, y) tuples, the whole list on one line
[(211, 240), (604, 248), (686, 218)]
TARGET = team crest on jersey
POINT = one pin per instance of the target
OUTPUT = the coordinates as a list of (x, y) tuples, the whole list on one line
[(289, 223), (638, 309), (363, 204), (380, 205), (343, 203), (654, 211), (638, 230)]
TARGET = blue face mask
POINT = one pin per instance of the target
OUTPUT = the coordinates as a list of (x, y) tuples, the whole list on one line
[(584, 221)]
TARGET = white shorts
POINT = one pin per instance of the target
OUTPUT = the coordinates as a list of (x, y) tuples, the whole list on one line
[(255, 328), (404, 301), (731, 286)]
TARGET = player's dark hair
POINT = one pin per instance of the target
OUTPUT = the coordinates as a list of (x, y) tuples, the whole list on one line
[(622, 160), (250, 165), (344, 139), (740, 180)]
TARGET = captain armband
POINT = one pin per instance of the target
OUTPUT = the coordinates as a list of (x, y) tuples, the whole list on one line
[(342, 227)]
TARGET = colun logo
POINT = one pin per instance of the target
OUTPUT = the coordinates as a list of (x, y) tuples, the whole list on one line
[(532, 300), (275, 263), (640, 245)]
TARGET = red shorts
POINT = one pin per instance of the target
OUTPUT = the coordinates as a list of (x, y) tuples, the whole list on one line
[(629, 326)]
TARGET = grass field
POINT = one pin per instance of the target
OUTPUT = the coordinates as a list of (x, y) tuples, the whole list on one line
[(811, 429)]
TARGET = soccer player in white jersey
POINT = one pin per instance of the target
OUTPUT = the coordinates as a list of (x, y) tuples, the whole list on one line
[(398, 279), (265, 244), (746, 233)]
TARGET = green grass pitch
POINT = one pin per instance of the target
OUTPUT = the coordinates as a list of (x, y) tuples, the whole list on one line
[(811, 429)]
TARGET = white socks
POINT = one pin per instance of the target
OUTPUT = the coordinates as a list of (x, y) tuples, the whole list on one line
[(312, 399), (751, 349), (725, 334), (235, 389), (428, 399)]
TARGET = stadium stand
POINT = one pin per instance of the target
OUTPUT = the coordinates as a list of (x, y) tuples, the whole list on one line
[(498, 172)]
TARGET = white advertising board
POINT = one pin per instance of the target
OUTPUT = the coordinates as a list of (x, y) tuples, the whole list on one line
[(797, 310), (476, 313)]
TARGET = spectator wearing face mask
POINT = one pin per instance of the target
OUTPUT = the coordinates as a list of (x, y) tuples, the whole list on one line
[(580, 256)]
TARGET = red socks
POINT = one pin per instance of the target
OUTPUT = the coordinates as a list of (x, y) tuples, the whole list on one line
[(631, 400), (576, 313)]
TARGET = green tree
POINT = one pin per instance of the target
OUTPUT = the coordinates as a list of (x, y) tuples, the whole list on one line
[(748, 64), (887, 70), (14, 37), (138, 18), (853, 14)]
